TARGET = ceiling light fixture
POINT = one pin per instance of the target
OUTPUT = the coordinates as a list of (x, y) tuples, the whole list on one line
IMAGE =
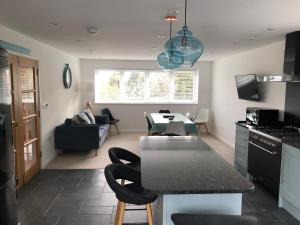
[(185, 46), (93, 31), (53, 23), (164, 61), (252, 38)]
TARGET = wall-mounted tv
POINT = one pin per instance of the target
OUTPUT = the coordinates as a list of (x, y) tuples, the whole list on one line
[(247, 87)]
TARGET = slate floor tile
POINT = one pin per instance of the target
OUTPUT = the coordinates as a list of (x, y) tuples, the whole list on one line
[(41, 221), (85, 220), (92, 202), (82, 197), (64, 207), (67, 182), (96, 210), (108, 199)]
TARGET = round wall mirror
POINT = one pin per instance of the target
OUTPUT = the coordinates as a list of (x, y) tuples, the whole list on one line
[(67, 76)]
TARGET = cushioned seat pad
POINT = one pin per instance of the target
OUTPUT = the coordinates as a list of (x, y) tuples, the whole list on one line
[(142, 196)]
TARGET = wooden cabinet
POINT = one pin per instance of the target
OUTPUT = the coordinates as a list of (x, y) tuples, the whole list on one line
[(241, 149), (289, 196)]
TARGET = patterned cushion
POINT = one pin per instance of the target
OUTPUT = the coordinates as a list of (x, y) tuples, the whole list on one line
[(83, 118), (90, 116)]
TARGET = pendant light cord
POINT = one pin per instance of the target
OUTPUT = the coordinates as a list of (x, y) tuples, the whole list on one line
[(170, 29), (185, 13)]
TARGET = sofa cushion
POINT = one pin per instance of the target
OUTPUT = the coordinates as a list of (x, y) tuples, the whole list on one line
[(103, 130), (90, 116), (83, 118), (69, 122)]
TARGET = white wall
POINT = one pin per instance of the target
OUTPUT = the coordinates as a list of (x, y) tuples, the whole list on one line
[(62, 102), (131, 115), (227, 108)]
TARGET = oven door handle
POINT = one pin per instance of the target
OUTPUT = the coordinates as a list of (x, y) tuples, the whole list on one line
[(270, 152)]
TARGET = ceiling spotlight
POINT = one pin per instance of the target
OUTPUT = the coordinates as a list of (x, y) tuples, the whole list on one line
[(154, 48), (269, 29), (93, 31), (252, 38), (54, 23)]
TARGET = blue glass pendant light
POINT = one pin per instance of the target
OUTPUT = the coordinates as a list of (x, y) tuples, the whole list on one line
[(164, 61), (185, 45)]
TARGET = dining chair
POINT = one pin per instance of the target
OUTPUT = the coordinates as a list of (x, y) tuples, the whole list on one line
[(212, 219), (131, 193), (164, 111), (149, 126), (202, 119), (112, 120), (187, 114), (119, 155), (176, 127)]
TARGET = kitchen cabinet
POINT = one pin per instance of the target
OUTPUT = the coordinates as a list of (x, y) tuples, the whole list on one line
[(289, 196), (241, 149)]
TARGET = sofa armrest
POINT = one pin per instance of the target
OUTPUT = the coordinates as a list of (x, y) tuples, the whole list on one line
[(102, 119), (85, 136)]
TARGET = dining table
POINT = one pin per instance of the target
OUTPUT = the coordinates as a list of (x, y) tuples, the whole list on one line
[(159, 122), (190, 177)]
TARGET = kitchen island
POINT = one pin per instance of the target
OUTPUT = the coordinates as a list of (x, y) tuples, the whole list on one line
[(190, 177)]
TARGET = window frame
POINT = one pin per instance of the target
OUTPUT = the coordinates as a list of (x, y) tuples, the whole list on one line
[(146, 99)]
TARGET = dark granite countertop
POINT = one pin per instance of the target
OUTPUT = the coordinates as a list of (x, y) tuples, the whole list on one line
[(244, 124), (295, 142), (187, 165)]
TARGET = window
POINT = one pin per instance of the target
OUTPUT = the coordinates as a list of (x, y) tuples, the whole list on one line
[(143, 86)]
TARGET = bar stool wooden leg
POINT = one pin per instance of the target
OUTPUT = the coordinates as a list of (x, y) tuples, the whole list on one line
[(117, 213), (121, 213), (149, 214)]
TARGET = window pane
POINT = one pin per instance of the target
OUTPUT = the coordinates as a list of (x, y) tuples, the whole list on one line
[(107, 85), (159, 86), (134, 85), (183, 85)]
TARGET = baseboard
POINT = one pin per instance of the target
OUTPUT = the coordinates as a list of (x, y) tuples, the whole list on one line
[(291, 208), (223, 140), (133, 131), (49, 159)]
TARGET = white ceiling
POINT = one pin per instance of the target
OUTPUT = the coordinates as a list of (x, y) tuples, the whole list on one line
[(129, 28)]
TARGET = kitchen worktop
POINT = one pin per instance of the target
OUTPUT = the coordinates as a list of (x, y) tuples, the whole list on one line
[(295, 142), (244, 124), (187, 165)]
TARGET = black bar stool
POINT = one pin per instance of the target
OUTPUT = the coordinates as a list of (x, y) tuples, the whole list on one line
[(202, 219), (117, 154), (132, 193)]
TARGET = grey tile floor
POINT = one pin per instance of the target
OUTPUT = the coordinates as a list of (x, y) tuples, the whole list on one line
[(82, 197)]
